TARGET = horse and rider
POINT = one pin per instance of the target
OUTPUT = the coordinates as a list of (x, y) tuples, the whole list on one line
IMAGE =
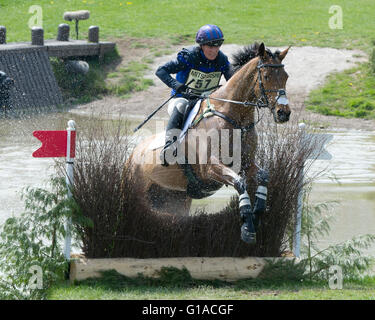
[(255, 80), (198, 69)]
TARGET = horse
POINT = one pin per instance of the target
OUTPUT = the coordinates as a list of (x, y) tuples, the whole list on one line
[(259, 81)]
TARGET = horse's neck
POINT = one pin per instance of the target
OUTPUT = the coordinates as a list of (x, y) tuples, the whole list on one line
[(240, 87)]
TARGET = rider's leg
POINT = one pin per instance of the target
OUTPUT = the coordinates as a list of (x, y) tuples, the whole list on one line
[(178, 106)]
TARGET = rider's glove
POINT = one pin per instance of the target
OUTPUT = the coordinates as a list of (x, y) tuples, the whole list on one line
[(181, 88)]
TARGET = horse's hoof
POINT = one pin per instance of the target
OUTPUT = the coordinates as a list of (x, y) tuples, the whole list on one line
[(247, 236)]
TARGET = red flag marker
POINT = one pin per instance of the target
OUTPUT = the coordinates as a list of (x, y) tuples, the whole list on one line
[(54, 144), (60, 144)]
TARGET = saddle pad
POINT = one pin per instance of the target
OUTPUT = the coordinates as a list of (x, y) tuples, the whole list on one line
[(190, 119), (159, 140)]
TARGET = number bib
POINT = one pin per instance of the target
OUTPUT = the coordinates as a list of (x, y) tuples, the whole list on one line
[(202, 81)]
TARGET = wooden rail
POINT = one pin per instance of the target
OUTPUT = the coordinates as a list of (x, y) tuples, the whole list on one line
[(63, 49), (222, 268)]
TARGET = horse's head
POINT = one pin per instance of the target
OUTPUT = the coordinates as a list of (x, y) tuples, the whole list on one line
[(272, 81)]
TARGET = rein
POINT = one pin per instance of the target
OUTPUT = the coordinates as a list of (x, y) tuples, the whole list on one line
[(209, 111)]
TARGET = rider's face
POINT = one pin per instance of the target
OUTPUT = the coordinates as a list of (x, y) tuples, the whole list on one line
[(210, 52)]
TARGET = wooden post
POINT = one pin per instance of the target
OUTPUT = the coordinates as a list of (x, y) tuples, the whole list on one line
[(94, 34), (37, 36), (63, 32)]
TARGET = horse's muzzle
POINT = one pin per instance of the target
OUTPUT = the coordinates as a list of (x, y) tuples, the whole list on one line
[(282, 107), (283, 115)]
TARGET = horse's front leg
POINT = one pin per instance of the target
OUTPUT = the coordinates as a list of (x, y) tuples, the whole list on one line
[(262, 178), (253, 173), (219, 172)]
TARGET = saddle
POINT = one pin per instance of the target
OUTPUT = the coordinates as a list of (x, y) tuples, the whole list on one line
[(189, 116), (196, 188)]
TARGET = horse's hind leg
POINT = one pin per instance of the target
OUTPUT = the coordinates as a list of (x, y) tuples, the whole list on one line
[(168, 201)]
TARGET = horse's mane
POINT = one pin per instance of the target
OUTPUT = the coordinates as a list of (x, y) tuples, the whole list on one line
[(244, 55)]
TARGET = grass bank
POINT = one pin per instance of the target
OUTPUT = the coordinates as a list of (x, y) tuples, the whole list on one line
[(180, 286), (348, 94), (292, 22), (110, 76)]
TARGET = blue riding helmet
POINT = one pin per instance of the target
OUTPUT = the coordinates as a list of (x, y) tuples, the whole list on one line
[(210, 35)]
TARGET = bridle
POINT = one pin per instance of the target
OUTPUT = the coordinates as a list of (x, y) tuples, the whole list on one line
[(281, 92), (262, 102)]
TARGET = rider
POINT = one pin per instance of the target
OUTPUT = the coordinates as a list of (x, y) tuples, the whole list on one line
[(199, 69)]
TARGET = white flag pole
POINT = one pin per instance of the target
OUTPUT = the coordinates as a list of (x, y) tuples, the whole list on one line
[(69, 183), (297, 234)]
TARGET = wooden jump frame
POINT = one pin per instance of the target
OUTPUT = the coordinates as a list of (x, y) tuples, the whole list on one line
[(62, 49), (203, 268)]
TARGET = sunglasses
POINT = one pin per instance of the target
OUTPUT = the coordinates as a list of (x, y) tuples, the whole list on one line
[(215, 43)]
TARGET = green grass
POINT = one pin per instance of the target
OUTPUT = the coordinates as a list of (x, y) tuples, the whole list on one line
[(179, 285), (290, 22), (78, 88), (130, 79), (347, 94), (84, 88)]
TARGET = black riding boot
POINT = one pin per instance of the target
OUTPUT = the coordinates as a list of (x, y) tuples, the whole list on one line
[(175, 122)]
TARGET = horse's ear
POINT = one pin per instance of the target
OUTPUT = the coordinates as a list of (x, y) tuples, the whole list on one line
[(261, 51), (283, 54)]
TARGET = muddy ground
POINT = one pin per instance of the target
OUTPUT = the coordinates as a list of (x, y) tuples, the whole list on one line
[(307, 67)]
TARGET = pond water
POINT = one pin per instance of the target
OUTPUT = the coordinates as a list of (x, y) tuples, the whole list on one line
[(353, 165), (349, 182)]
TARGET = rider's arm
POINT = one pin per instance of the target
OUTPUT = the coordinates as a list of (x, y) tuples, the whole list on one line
[(164, 73)]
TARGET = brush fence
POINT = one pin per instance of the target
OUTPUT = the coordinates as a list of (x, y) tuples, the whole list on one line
[(223, 268)]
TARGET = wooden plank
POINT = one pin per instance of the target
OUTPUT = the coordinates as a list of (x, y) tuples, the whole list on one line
[(63, 49), (222, 268), (15, 46)]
